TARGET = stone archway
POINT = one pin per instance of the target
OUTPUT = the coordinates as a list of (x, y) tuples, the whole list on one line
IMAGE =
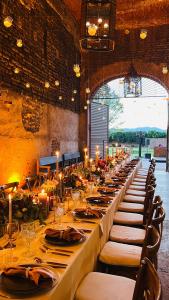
[(120, 69)]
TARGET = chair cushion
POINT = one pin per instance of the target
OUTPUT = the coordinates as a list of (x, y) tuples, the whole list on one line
[(100, 286), (136, 193), (131, 207), (120, 254), (134, 199), (123, 218), (139, 179), (138, 183), (127, 235), (141, 176), (136, 187)]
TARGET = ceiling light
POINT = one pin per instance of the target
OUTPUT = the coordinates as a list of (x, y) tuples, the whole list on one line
[(74, 91), (85, 107), (143, 34), (60, 97), (78, 74), (87, 24), (72, 99), (8, 22)]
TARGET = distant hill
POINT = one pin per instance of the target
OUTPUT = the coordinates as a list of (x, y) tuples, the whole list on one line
[(143, 129)]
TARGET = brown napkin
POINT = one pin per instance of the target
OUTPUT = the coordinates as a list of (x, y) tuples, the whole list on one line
[(69, 234), (97, 213), (33, 274)]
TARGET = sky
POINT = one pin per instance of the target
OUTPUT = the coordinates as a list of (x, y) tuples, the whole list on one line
[(143, 111)]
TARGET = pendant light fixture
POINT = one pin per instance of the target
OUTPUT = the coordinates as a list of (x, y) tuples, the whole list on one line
[(132, 83)]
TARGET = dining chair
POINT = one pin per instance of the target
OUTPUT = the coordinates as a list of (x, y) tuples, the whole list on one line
[(99, 286), (133, 235)]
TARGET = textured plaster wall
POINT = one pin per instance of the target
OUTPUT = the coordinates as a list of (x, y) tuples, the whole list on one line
[(19, 148)]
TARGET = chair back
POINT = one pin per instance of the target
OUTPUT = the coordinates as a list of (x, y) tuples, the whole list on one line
[(148, 285), (148, 201), (152, 209)]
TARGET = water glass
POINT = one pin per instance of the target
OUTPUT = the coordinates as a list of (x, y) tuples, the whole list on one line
[(58, 212), (28, 234), (76, 198)]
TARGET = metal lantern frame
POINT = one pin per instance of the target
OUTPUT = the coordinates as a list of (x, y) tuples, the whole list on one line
[(92, 11), (132, 84)]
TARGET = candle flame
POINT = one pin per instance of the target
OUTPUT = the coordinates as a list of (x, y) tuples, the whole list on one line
[(60, 176), (57, 153), (43, 191)]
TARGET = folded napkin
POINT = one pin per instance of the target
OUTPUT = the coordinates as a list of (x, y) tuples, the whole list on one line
[(34, 274), (107, 189), (104, 199), (97, 213), (69, 234)]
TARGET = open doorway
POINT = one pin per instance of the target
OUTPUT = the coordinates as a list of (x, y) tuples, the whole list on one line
[(138, 123)]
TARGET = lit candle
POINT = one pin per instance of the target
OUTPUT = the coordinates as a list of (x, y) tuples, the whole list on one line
[(97, 155), (57, 162), (10, 208), (42, 197), (85, 157)]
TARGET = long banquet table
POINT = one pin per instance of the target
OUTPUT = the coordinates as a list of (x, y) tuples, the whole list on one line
[(85, 255)]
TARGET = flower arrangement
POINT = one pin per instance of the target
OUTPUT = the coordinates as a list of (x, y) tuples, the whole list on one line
[(73, 181), (50, 186)]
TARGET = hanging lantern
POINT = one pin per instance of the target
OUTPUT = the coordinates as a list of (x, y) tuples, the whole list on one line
[(87, 90), (19, 43), (98, 24), (72, 99), (132, 84), (76, 68), (47, 84), (57, 82), (74, 91), (8, 22), (143, 34), (60, 97)]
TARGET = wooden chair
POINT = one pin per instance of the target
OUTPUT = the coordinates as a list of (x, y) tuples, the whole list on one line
[(115, 256), (133, 235), (99, 286)]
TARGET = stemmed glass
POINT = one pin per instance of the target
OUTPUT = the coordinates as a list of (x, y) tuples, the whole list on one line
[(28, 234), (58, 210), (12, 230), (68, 197)]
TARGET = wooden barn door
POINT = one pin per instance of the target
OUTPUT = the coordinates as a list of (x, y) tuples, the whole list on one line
[(98, 128)]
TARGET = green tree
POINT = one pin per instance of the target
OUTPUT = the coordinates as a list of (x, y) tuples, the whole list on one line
[(106, 96)]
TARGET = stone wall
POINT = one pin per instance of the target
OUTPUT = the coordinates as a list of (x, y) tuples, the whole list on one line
[(50, 128)]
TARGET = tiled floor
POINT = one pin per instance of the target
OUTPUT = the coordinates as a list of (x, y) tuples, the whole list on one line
[(162, 189)]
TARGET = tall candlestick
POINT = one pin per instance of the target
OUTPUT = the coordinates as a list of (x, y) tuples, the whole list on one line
[(107, 153), (57, 162), (10, 208), (85, 157), (60, 183)]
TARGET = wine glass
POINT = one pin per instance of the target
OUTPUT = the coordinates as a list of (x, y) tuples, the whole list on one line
[(28, 234), (59, 212), (12, 231), (75, 197)]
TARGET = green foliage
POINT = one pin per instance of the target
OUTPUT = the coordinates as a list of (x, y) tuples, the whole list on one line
[(107, 97), (130, 137)]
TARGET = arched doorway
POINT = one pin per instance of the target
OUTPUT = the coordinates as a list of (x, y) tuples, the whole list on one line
[(156, 114)]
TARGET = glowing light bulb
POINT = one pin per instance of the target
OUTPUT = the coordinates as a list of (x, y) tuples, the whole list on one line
[(100, 20), (27, 85), (164, 70), (88, 101), (76, 68), (72, 99), (87, 90), (19, 43), (57, 82), (143, 34), (8, 22), (74, 91), (92, 29), (106, 25), (126, 31), (78, 74), (87, 24), (16, 70), (47, 84), (85, 107), (60, 97)]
